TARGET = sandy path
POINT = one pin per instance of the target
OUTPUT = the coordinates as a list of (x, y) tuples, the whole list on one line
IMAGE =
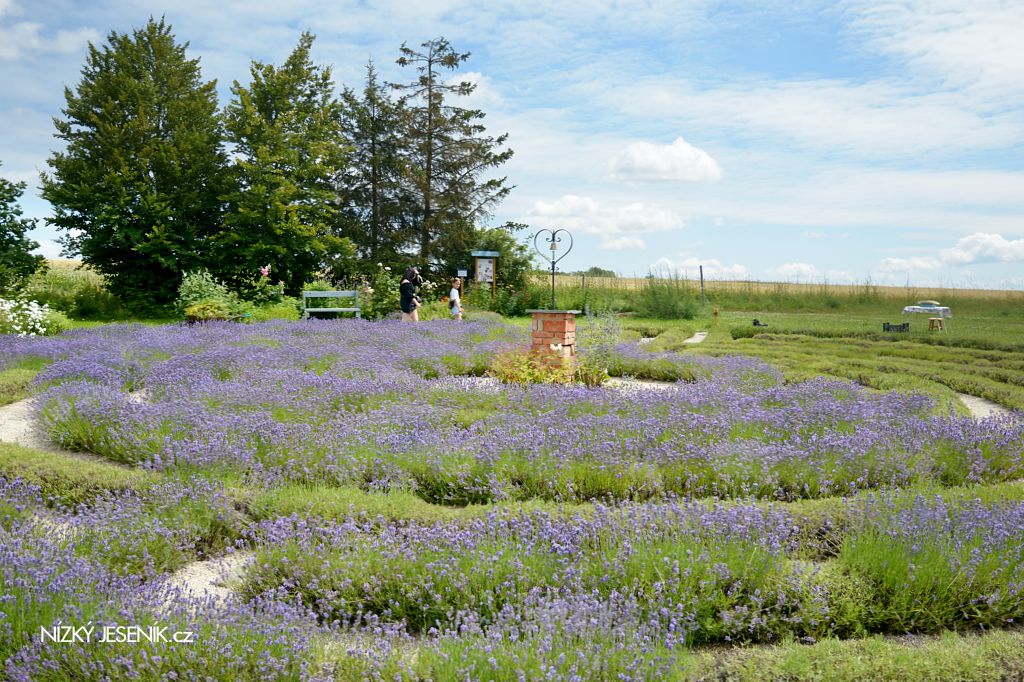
[(211, 579), (16, 426), (696, 338), (981, 408)]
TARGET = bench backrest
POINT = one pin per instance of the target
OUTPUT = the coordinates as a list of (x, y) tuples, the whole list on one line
[(346, 294)]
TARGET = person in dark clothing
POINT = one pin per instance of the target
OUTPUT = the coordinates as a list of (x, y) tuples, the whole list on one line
[(408, 300)]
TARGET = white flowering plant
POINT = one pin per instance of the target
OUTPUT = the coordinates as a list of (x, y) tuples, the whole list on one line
[(28, 318), (378, 292)]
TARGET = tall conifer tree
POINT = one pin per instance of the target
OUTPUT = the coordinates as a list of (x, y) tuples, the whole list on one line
[(136, 189), (376, 202), (286, 130), (450, 154)]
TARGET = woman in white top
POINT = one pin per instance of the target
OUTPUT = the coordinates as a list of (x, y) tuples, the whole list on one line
[(455, 300)]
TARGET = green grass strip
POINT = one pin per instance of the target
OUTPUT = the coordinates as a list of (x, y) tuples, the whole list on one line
[(66, 478)]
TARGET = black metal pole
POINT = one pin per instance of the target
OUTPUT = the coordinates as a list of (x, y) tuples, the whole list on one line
[(552, 285)]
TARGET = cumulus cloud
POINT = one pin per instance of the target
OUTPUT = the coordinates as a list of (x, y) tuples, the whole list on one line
[(23, 37), (796, 271), (982, 247), (677, 162), (690, 266), (617, 226), (897, 265)]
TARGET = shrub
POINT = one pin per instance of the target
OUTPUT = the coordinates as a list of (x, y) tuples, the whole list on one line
[(378, 293), (76, 291), (288, 308), (202, 297), (258, 290), (523, 366), (28, 318), (93, 302)]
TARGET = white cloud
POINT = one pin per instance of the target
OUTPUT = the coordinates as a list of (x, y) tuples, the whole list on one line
[(484, 96), (812, 234), (622, 243), (897, 265), (23, 37), (839, 277), (977, 45), (584, 215), (982, 247), (679, 161), (795, 271), (689, 266)]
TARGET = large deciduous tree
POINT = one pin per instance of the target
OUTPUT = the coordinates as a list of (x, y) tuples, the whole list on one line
[(286, 131), (137, 189), (376, 203), (450, 154), (17, 262)]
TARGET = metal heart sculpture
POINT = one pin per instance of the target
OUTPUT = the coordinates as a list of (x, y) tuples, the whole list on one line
[(553, 239)]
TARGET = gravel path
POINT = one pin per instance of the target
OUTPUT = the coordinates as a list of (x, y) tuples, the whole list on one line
[(981, 408), (211, 579), (17, 426)]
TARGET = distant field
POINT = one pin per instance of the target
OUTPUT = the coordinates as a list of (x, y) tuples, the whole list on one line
[(711, 286)]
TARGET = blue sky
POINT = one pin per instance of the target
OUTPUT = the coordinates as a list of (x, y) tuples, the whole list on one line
[(790, 140)]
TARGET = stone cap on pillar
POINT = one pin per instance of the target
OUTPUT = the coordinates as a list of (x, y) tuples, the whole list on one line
[(556, 312)]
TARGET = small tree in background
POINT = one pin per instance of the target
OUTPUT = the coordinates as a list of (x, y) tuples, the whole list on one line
[(17, 263)]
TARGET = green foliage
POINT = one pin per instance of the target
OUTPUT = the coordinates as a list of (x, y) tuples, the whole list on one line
[(378, 292), (376, 201), (285, 130), (513, 265), (14, 383), (523, 366), (17, 263), (67, 479), (287, 308), (258, 289), (203, 297), (449, 152), (78, 292), (137, 187), (666, 297), (507, 301)]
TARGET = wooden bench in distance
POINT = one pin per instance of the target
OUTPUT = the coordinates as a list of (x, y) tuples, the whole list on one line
[(344, 295)]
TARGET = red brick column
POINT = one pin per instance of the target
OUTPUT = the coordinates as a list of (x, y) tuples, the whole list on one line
[(554, 333)]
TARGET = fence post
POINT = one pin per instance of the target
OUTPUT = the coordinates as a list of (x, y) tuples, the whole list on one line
[(703, 298)]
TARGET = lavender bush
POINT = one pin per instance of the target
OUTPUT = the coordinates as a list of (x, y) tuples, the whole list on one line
[(621, 588)]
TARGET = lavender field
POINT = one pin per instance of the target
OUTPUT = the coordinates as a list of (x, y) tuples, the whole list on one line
[(395, 513)]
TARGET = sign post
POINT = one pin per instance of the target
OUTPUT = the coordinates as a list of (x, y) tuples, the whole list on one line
[(485, 264)]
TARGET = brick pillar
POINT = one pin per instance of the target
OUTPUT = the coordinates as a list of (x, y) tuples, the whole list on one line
[(553, 333)]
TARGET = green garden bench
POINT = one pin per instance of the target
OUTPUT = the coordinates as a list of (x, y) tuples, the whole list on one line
[(341, 295)]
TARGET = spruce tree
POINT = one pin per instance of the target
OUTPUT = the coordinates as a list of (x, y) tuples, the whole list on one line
[(450, 154), (376, 202)]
